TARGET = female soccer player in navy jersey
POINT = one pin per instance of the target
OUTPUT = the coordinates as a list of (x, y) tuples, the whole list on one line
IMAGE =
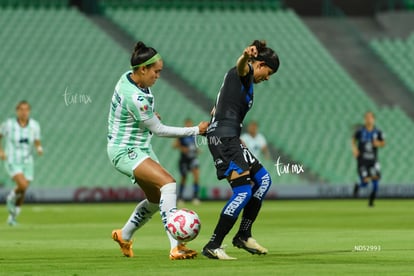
[(248, 179)]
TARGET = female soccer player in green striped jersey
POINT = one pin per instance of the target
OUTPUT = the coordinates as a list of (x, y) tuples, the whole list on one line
[(21, 134), (132, 122)]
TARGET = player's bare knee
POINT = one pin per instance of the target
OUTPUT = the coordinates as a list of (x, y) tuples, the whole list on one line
[(22, 184)]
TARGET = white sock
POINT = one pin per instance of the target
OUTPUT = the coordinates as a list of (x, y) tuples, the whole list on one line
[(168, 204), (17, 212), (141, 215), (12, 196)]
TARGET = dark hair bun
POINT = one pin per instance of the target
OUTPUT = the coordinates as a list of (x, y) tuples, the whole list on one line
[(139, 46), (141, 54), (260, 45)]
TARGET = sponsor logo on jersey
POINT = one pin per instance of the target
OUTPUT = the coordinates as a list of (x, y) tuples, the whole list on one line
[(218, 162), (140, 98), (250, 104), (144, 108), (132, 154), (24, 141)]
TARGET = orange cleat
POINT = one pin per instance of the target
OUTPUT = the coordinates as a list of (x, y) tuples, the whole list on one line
[(181, 252), (126, 246)]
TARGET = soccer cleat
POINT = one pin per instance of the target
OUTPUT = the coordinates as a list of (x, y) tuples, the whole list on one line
[(196, 201), (356, 190), (181, 252), (11, 220), (217, 253), (250, 245), (126, 246), (371, 199)]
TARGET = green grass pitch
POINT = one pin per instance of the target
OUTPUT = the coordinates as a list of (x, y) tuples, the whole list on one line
[(313, 237)]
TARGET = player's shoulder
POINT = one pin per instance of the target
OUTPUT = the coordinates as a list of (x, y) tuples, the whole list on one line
[(261, 138), (245, 136), (359, 130), (9, 122), (34, 123), (379, 131)]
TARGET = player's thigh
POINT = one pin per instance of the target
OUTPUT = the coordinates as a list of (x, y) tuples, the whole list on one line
[(183, 168), (231, 158), (375, 171), (21, 181), (19, 172), (151, 176), (363, 173)]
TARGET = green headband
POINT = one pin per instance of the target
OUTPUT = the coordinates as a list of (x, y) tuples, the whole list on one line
[(152, 60)]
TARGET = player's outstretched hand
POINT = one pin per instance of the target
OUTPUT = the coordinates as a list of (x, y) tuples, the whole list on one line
[(355, 152), (158, 115), (202, 127), (250, 52)]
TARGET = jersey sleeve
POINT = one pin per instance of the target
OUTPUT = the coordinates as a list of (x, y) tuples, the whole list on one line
[(140, 108), (247, 80), (381, 136), (243, 137), (159, 129), (357, 135), (5, 127), (262, 141), (36, 132)]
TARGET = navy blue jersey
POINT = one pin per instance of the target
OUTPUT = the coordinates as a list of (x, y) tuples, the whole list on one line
[(233, 102), (190, 143), (364, 138)]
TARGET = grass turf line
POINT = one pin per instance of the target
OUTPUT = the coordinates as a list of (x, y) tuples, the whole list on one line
[(303, 238)]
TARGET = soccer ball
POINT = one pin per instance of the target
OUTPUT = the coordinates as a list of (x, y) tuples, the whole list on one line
[(184, 225)]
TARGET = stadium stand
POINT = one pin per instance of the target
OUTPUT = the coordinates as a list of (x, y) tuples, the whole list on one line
[(398, 55), (71, 57), (66, 68), (50, 53), (314, 103)]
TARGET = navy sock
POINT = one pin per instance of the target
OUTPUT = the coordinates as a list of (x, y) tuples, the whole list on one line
[(262, 183), (229, 214), (180, 191), (195, 190)]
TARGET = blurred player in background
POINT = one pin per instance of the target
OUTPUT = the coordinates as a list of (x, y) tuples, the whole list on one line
[(248, 179), (22, 135), (255, 141), (188, 162), (365, 144), (132, 122)]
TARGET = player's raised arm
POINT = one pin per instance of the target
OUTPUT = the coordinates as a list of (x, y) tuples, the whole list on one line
[(159, 129), (242, 63), (380, 141), (38, 146)]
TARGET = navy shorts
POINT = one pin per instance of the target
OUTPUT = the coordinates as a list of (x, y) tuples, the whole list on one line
[(229, 154)]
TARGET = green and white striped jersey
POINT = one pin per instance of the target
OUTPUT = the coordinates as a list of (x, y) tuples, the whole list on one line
[(19, 141), (129, 107)]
